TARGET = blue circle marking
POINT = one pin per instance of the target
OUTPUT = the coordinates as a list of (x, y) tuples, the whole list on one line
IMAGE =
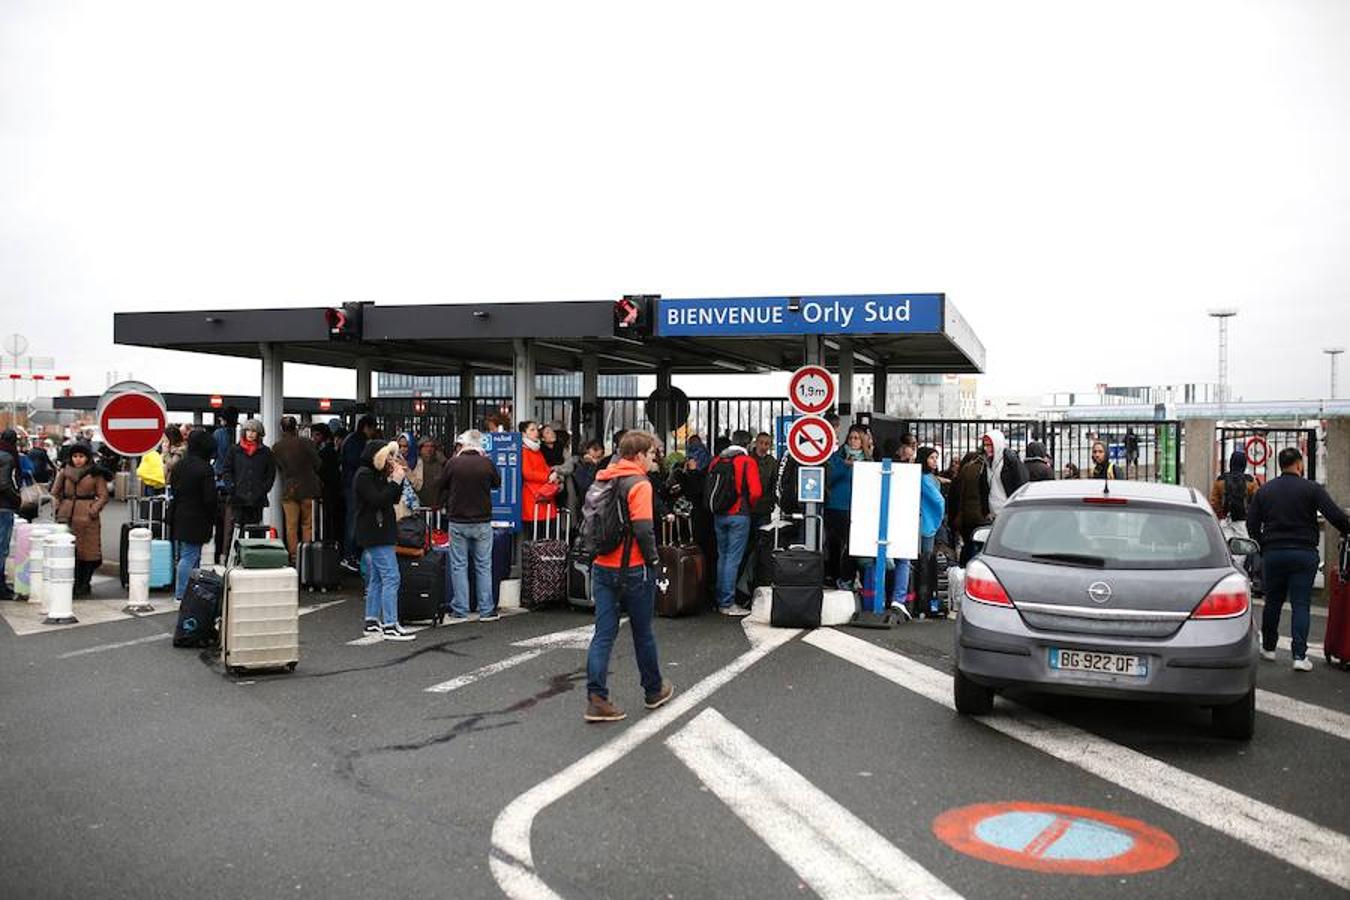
[(1048, 836)]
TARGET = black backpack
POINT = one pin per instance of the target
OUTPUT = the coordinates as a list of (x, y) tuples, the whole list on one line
[(722, 491), (1235, 496), (605, 524)]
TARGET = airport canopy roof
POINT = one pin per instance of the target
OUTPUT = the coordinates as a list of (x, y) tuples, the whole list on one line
[(908, 333)]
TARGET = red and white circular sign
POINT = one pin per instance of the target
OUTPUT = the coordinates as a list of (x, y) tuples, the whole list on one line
[(811, 390), (811, 440), (131, 416)]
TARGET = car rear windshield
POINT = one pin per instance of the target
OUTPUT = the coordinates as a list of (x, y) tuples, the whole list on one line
[(1113, 537)]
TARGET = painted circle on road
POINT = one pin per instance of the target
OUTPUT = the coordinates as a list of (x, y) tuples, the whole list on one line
[(1050, 837)]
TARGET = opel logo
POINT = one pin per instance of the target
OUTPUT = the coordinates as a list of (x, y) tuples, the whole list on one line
[(1099, 592)]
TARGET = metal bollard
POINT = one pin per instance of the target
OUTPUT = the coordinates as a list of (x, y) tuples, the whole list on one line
[(58, 579), (138, 572), (36, 554)]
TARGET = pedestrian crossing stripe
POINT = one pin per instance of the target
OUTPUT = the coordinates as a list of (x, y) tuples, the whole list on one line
[(1058, 839)]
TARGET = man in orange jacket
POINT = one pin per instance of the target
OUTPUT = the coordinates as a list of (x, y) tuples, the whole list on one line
[(627, 573)]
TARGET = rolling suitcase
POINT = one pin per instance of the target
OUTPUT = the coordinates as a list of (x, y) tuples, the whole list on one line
[(797, 566), (151, 513), (16, 563), (422, 587), (543, 566), (579, 578), (260, 622), (503, 548), (1336, 644), (318, 560), (681, 573), (197, 614), (797, 605)]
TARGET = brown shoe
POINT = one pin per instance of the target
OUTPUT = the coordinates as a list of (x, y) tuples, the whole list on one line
[(598, 709), (659, 699)]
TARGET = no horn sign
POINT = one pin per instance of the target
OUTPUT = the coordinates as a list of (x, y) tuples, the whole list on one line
[(811, 440)]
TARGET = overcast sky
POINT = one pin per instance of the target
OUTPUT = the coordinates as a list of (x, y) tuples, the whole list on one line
[(1083, 180)]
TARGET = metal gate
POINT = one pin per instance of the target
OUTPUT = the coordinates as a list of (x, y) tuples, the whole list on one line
[(1263, 446)]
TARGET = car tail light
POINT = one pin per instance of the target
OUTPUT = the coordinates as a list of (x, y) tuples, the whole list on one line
[(983, 586), (1106, 501), (1226, 600)]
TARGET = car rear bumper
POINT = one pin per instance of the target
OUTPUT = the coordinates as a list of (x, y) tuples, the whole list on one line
[(1207, 662)]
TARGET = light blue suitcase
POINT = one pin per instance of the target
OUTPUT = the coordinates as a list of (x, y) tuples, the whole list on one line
[(161, 565)]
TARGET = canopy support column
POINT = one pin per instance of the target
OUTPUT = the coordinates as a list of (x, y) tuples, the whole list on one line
[(590, 400), (272, 400)]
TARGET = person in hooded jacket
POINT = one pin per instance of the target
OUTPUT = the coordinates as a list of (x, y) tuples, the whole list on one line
[(192, 511), (983, 486), (932, 510), (9, 499), (79, 494), (250, 470), (732, 525), (377, 486), (1101, 466), (1232, 492), (1039, 467)]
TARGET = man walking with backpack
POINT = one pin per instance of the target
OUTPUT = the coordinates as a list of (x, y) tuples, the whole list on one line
[(1232, 491), (617, 528), (732, 492)]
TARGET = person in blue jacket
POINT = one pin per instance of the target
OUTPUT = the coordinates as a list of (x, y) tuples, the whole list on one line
[(932, 510), (839, 504)]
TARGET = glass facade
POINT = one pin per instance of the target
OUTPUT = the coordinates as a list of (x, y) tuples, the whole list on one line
[(392, 384)]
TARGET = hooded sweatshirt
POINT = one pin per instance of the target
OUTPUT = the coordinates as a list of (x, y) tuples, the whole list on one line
[(998, 494), (642, 549), (192, 485), (1233, 481), (1038, 463), (746, 472)]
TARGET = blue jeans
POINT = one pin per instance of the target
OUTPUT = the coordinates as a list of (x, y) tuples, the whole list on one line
[(733, 533), (900, 592), (381, 584), (6, 529), (1288, 573), (471, 542), (189, 558), (634, 589)]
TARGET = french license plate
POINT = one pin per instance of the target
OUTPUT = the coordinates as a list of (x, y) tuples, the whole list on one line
[(1102, 663)]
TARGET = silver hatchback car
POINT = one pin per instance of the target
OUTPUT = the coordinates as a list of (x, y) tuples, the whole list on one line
[(1109, 589)]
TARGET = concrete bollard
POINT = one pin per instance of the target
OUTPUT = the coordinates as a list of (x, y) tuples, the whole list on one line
[(58, 579), (36, 555), (138, 572)]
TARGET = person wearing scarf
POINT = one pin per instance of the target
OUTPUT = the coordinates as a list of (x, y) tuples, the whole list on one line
[(250, 470), (539, 479), (79, 493)]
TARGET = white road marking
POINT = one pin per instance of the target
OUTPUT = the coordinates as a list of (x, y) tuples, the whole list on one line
[(469, 678), (1316, 610), (1309, 715), (306, 610), (512, 860), (830, 848), (366, 640), (149, 639), (576, 638), (1287, 644), (1287, 837)]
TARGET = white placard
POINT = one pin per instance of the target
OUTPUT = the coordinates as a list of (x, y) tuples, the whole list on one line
[(902, 534)]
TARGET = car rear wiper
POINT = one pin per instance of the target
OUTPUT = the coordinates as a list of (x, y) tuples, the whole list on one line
[(1077, 559)]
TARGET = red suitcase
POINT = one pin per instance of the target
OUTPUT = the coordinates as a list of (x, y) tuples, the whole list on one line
[(1336, 644), (681, 574)]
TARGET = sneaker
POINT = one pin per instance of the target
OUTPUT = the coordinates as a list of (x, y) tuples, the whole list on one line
[(396, 633), (659, 699), (598, 709), (489, 617), (843, 585), (351, 566), (453, 619), (1267, 654), (1303, 665), (372, 626), (897, 605), (734, 610)]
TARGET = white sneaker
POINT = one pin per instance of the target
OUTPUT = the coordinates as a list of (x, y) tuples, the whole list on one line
[(1267, 654), (734, 610), (1303, 665), (396, 633)]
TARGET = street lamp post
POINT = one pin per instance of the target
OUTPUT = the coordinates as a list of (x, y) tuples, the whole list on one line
[(1223, 315), (1332, 353)]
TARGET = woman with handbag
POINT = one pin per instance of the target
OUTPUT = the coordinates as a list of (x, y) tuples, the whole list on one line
[(541, 483), (80, 492)]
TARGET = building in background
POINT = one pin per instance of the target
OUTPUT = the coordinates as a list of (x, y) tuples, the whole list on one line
[(493, 385)]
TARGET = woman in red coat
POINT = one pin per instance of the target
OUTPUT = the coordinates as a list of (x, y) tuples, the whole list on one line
[(539, 498)]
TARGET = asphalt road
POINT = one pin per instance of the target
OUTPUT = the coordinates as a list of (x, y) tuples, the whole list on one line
[(789, 764)]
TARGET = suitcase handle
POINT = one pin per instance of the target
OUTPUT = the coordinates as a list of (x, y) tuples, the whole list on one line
[(557, 522)]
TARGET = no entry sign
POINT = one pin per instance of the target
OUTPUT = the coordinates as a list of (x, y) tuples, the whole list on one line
[(131, 416), (811, 440), (811, 390)]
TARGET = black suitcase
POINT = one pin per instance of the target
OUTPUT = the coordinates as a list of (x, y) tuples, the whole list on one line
[(579, 579), (200, 609), (798, 566), (543, 567), (422, 588), (503, 548), (318, 560), (797, 605)]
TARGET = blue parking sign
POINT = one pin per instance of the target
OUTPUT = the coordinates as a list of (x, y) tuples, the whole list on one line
[(811, 484), (503, 449)]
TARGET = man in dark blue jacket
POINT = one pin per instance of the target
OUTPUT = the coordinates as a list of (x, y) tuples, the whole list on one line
[(352, 449), (1282, 518)]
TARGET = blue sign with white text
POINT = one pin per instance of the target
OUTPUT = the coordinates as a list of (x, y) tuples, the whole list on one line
[(843, 314), (504, 451)]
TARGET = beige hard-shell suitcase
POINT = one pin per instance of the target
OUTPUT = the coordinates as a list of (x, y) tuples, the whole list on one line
[(261, 622)]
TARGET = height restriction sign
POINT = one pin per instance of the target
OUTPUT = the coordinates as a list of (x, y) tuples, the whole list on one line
[(811, 390), (811, 440), (131, 416)]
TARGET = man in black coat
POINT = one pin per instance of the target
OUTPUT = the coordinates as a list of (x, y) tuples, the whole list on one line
[(375, 489), (353, 449), (9, 499), (1039, 467), (192, 512)]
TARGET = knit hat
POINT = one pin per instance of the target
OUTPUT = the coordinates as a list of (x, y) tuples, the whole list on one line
[(382, 455), (254, 425)]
